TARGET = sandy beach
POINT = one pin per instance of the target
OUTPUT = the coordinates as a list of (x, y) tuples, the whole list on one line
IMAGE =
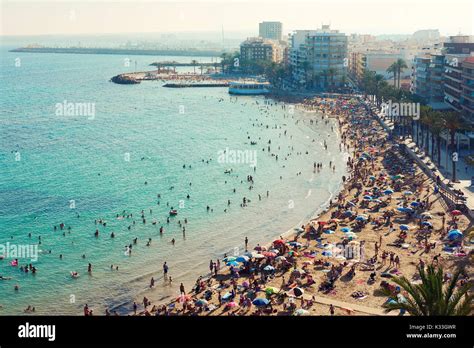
[(387, 220)]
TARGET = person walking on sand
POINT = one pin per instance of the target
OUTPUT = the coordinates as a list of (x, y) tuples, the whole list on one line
[(165, 269), (152, 282), (331, 309), (181, 289), (246, 243)]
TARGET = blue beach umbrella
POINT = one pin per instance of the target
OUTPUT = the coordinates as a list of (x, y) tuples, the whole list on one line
[(455, 234), (260, 302), (233, 263), (388, 192), (361, 218), (404, 227), (326, 253), (345, 229), (229, 259), (348, 213), (427, 223), (415, 204), (407, 193), (242, 258), (368, 198)]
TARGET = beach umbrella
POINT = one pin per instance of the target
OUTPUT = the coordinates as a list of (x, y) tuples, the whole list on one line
[(301, 312), (242, 258), (348, 213), (261, 302), (407, 193), (427, 223), (352, 204), (405, 209), (426, 215), (231, 304), (269, 254), (456, 212), (297, 292), (346, 229), (455, 234), (415, 204), (201, 303), (229, 259), (227, 296), (279, 241), (271, 290), (258, 256), (326, 253), (368, 198), (388, 192), (404, 227), (233, 263), (269, 268), (360, 218)]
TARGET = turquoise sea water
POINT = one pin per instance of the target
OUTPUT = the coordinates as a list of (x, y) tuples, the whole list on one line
[(54, 168)]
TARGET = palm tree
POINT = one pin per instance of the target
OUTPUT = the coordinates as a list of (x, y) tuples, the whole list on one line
[(453, 123), (393, 70), (437, 127), (400, 66), (431, 298)]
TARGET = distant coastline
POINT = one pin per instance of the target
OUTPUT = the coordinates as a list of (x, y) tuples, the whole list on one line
[(121, 51)]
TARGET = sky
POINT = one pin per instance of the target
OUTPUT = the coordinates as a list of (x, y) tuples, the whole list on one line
[(19, 17)]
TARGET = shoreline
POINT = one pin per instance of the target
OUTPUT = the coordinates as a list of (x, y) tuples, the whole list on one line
[(385, 148), (324, 208)]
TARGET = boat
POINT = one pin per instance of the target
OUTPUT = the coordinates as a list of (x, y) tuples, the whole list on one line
[(249, 87), (173, 212)]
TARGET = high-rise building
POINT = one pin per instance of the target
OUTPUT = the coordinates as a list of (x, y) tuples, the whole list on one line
[(428, 80), (270, 30), (319, 57), (467, 93), (456, 51)]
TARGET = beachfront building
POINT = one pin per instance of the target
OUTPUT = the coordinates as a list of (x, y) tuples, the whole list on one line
[(427, 80), (297, 55), (457, 50), (467, 89), (260, 49), (357, 66), (318, 58), (270, 30)]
